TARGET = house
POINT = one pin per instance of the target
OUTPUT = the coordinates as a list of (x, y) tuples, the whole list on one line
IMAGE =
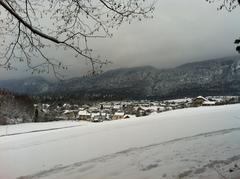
[(118, 115), (45, 106), (70, 114), (198, 101), (66, 106), (117, 107), (107, 106), (201, 101), (129, 109), (150, 109), (84, 115), (98, 117), (140, 112), (126, 116), (93, 109), (85, 106), (161, 109)]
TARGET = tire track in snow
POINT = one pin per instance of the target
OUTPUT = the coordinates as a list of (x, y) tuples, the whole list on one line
[(105, 158), (40, 130)]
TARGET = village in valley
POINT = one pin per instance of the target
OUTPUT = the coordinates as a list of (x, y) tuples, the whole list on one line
[(116, 110), (16, 109)]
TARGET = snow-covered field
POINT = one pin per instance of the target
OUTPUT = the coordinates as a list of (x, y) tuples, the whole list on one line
[(37, 127), (189, 143)]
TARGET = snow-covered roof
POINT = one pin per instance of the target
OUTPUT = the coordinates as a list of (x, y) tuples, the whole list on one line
[(46, 105), (107, 106), (135, 108), (83, 113), (181, 100), (119, 113), (209, 102), (66, 105), (93, 108), (95, 114), (104, 114), (117, 106), (150, 108), (201, 97), (68, 111), (161, 108), (45, 110)]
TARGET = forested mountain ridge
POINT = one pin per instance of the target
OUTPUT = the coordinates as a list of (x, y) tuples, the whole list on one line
[(209, 77)]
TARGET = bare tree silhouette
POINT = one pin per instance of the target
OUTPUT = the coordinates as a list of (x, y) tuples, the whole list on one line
[(29, 27)]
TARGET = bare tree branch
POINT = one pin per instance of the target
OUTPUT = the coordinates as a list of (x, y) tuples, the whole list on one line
[(37, 24)]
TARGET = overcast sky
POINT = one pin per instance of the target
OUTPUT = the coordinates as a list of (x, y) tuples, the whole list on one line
[(181, 31)]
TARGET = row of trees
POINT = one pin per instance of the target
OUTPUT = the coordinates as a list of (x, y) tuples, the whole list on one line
[(15, 108)]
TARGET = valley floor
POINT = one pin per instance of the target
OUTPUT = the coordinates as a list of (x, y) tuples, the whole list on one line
[(188, 143)]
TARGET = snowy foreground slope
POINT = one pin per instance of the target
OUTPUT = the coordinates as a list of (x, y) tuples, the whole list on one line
[(25, 128), (189, 143)]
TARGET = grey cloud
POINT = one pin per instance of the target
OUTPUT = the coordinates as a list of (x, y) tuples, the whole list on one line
[(181, 31)]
